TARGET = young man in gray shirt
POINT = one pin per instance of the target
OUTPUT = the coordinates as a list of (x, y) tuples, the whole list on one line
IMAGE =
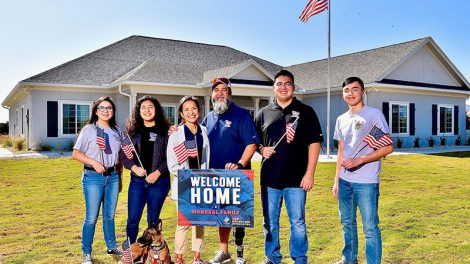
[(364, 139)]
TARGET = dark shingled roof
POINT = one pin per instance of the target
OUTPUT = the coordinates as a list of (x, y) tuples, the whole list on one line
[(146, 59), (369, 65)]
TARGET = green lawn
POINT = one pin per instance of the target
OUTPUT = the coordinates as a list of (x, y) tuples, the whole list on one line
[(424, 212)]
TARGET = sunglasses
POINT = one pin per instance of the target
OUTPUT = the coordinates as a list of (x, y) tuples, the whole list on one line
[(220, 80)]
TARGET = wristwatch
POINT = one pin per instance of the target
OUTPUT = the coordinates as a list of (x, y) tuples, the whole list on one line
[(240, 166)]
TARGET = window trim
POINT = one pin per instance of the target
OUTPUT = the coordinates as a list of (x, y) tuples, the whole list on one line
[(60, 115), (176, 111), (390, 109), (439, 133)]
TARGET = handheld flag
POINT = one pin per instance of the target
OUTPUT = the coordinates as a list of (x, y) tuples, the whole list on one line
[(184, 150), (126, 252), (100, 140), (127, 147), (290, 131), (376, 138), (313, 7)]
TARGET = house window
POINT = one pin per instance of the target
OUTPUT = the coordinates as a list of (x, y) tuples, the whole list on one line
[(446, 119), (399, 116), (171, 114), (74, 117)]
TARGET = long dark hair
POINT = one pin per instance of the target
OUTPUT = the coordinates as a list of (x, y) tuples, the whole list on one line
[(135, 122), (94, 116)]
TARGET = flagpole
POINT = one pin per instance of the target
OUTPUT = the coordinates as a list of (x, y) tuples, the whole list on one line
[(328, 106)]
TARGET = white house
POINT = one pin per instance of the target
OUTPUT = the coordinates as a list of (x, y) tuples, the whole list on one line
[(417, 87)]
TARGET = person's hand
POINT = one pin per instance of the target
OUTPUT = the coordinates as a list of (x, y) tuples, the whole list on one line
[(232, 166), (98, 167), (267, 152), (351, 163), (334, 190), (139, 171), (153, 177), (172, 129), (307, 182)]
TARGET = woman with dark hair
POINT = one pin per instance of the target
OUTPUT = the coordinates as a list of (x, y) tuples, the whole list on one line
[(150, 180), (97, 147), (189, 134)]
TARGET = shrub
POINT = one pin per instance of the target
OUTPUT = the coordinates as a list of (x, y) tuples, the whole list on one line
[(43, 146), (431, 141), (399, 142), (416, 142), (8, 143), (19, 144), (443, 140)]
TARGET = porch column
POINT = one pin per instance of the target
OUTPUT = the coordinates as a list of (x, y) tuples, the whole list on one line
[(256, 101), (207, 104)]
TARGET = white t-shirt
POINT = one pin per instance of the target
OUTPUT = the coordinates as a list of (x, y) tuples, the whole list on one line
[(86, 144), (351, 129)]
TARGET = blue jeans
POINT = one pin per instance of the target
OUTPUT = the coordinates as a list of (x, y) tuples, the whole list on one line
[(99, 191), (153, 195), (366, 196), (295, 199)]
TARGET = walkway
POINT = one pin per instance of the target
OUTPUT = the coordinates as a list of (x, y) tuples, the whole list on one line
[(6, 154)]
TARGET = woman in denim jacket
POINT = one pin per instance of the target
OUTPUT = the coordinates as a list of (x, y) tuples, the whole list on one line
[(150, 180), (97, 147)]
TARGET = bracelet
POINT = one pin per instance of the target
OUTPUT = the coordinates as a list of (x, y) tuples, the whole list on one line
[(240, 166)]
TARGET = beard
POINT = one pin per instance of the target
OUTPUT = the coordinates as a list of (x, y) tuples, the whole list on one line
[(221, 107)]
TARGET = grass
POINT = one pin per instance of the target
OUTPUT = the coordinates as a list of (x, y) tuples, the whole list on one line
[(424, 213)]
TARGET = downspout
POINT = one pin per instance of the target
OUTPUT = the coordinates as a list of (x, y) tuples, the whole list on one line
[(127, 95)]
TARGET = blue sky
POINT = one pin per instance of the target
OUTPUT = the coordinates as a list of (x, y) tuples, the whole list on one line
[(39, 35)]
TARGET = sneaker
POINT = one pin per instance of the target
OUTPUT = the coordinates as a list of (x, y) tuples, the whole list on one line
[(343, 261), (267, 261), (87, 259), (240, 261), (179, 261), (114, 251), (197, 261), (221, 258)]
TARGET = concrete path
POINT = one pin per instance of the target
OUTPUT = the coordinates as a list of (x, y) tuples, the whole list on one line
[(6, 154)]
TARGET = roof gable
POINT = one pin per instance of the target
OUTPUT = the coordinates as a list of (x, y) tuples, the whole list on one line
[(424, 67)]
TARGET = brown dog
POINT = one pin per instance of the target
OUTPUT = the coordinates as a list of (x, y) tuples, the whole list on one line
[(151, 247)]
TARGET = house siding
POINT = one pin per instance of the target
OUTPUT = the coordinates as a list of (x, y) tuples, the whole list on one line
[(423, 114)]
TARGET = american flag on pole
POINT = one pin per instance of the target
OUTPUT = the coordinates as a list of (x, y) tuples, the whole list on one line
[(313, 7), (127, 147), (376, 138), (100, 140), (290, 131), (126, 252), (184, 150)]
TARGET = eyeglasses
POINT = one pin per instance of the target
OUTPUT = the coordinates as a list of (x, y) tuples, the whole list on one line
[(105, 108)]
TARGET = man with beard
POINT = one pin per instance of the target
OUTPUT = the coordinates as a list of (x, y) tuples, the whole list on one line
[(233, 140)]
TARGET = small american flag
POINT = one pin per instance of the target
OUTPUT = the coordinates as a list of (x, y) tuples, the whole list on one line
[(376, 138), (100, 140), (127, 147), (126, 253), (290, 131), (313, 7), (184, 150)]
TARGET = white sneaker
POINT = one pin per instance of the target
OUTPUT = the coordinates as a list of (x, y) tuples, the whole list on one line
[(240, 261), (87, 259), (221, 258)]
